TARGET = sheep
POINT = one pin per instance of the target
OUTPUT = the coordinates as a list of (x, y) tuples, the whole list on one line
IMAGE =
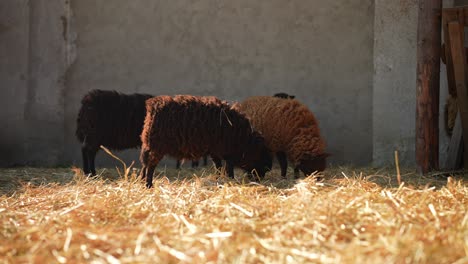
[(111, 119), (186, 126), (284, 95), (290, 130)]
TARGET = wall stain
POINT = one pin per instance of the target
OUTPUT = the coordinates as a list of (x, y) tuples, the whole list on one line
[(64, 27)]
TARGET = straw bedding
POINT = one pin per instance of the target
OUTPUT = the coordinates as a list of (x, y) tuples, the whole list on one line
[(197, 217)]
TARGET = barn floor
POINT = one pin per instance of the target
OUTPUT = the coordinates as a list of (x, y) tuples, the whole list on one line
[(12, 179), (353, 216)]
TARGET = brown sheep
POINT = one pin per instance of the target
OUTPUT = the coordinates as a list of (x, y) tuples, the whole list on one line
[(186, 126), (290, 130)]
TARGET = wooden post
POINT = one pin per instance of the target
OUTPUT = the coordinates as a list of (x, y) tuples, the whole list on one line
[(457, 38), (427, 85), (455, 150)]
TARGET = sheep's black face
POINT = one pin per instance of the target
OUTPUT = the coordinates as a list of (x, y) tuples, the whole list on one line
[(257, 158), (312, 164), (264, 162)]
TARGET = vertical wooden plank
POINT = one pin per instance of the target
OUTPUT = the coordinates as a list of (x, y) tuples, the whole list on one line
[(455, 150), (448, 16), (465, 14), (427, 90), (456, 35)]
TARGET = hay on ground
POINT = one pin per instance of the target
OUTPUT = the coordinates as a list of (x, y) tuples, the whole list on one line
[(58, 215)]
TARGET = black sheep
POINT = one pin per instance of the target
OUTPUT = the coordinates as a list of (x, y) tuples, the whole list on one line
[(110, 119)]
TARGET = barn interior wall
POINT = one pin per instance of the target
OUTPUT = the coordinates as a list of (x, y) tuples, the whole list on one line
[(14, 29), (31, 70), (350, 61), (394, 97), (320, 51)]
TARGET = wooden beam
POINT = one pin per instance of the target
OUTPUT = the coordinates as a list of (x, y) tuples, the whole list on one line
[(455, 150), (451, 14), (457, 39), (427, 85), (446, 54)]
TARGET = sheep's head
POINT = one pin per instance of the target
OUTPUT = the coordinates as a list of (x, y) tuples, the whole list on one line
[(309, 164), (257, 157)]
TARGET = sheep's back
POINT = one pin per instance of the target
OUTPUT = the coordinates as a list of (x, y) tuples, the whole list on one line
[(287, 125), (191, 125)]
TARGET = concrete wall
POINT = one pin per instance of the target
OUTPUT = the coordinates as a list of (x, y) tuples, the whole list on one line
[(351, 61), (32, 68), (321, 51), (394, 81), (44, 109), (33, 51), (394, 108), (14, 43)]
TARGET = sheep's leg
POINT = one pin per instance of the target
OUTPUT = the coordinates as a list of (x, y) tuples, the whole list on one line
[(144, 159), (218, 163), (149, 160), (143, 171), (91, 157), (84, 154), (205, 160), (151, 166), (149, 176), (230, 168), (178, 165), (296, 172), (283, 162), (194, 163)]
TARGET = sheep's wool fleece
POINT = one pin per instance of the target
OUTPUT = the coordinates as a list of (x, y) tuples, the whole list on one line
[(287, 126)]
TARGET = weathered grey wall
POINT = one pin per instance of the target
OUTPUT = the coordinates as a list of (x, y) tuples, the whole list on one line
[(44, 110), (394, 98), (14, 43), (358, 78), (321, 51), (32, 72)]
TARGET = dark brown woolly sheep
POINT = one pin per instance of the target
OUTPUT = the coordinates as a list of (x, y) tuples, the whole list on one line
[(290, 130), (186, 126), (284, 95), (111, 119)]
